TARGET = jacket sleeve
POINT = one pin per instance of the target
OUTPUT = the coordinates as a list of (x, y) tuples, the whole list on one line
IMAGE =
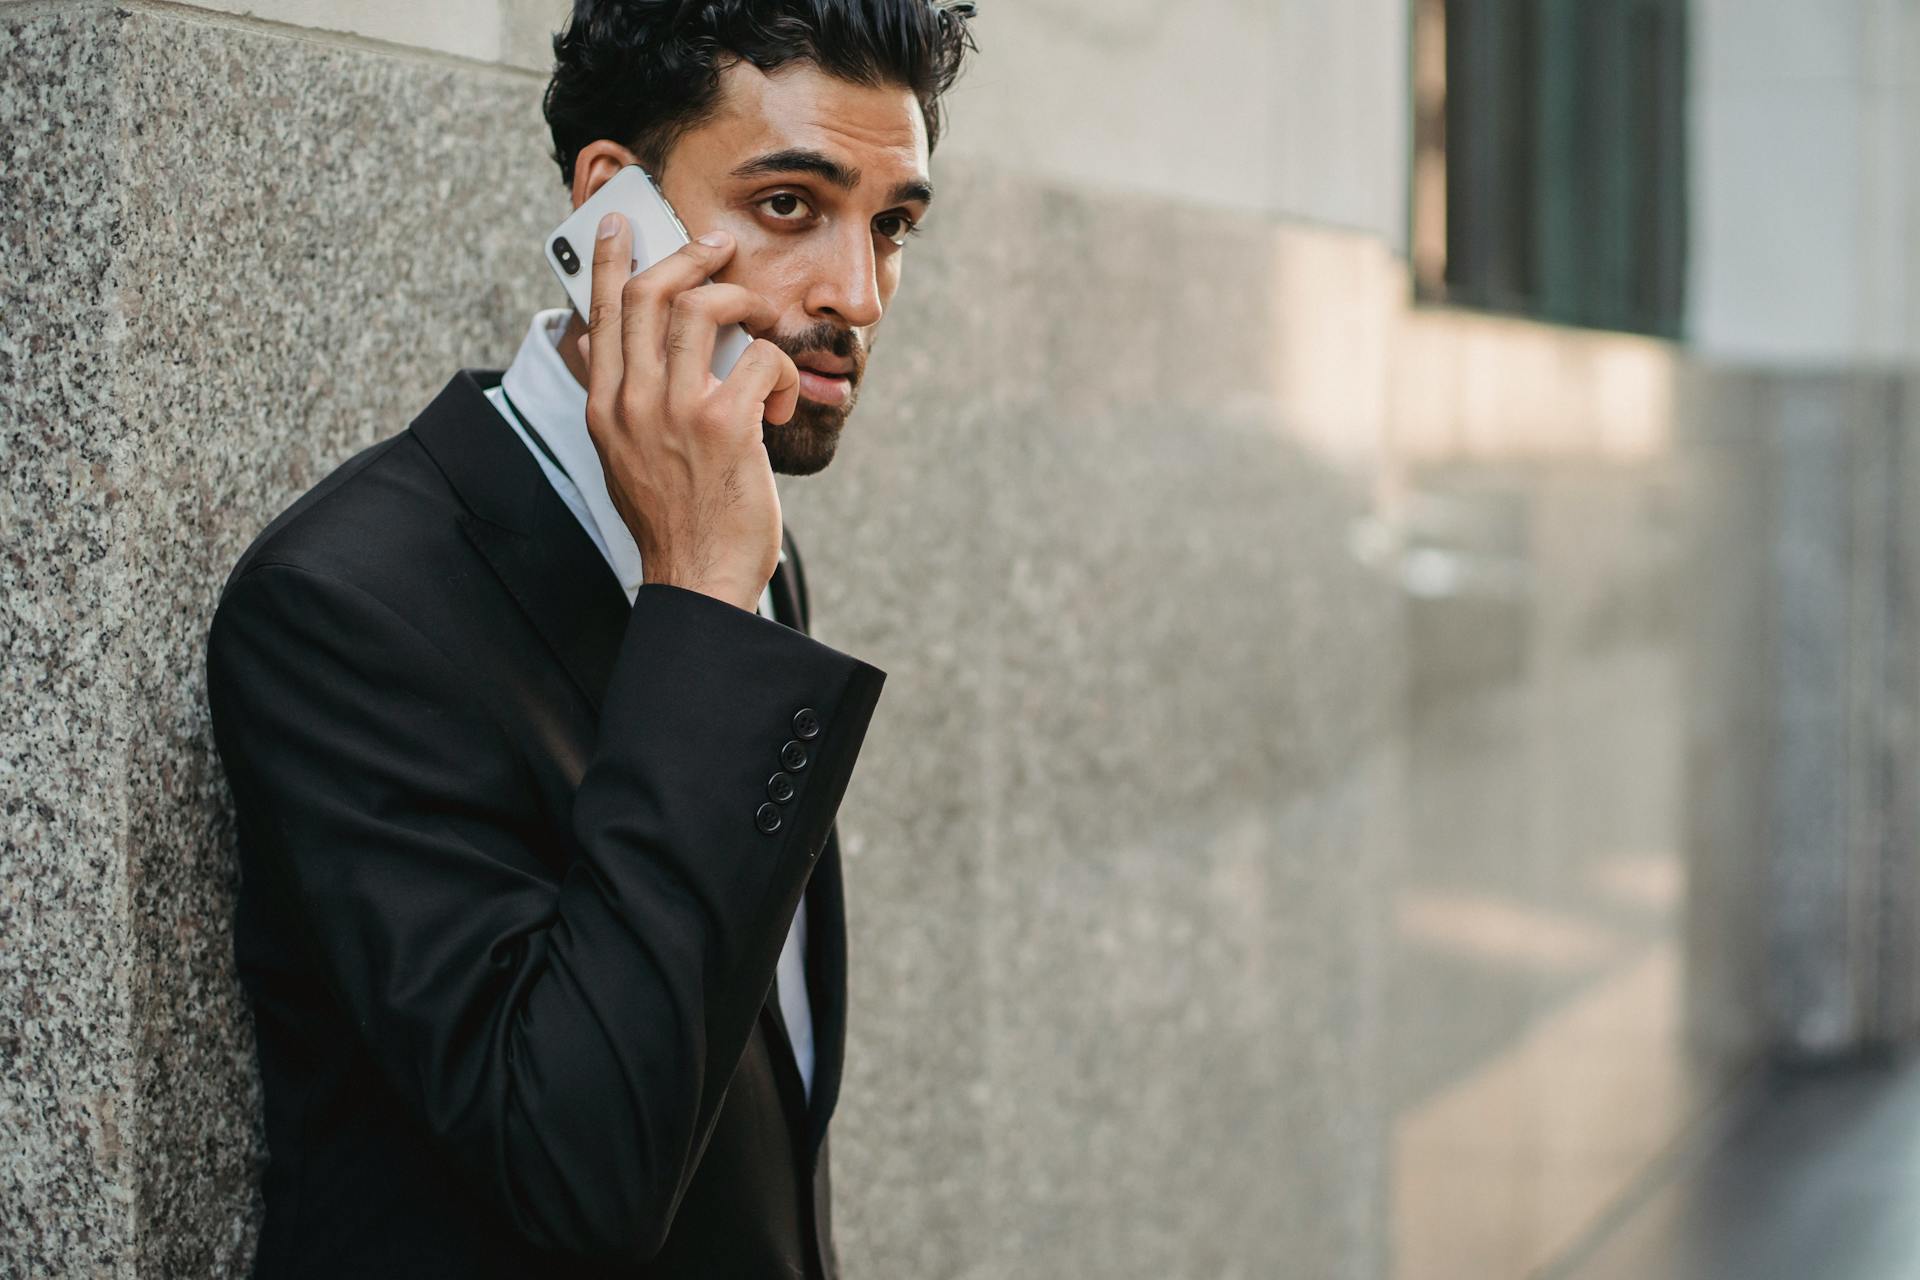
[(565, 1036)]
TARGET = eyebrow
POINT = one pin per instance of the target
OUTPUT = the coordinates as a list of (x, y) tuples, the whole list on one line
[(820, 165)]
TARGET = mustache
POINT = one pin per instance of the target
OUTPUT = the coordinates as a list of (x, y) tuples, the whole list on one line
[(825, 337)]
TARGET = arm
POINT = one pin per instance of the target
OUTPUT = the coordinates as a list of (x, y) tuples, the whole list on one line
[(566, 1039)]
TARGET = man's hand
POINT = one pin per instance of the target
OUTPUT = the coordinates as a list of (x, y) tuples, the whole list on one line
[(682, 451)]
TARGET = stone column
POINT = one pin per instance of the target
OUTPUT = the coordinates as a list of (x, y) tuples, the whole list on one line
[(231, 258), (1806, 818)]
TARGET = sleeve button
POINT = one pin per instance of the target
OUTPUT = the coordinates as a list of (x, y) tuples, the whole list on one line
[(780, 787), (793, 757), (767, 819), (806, 724)]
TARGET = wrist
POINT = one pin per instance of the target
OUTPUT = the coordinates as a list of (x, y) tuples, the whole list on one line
[(733, 593)]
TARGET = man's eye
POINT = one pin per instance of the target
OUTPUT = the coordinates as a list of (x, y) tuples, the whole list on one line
[(895, 227), (786, 206)]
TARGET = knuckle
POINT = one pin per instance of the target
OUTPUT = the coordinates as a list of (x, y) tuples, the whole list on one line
[(601, 313), (770, 356)]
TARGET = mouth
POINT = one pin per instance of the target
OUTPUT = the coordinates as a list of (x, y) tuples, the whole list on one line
[(825, 379), (825, 365)]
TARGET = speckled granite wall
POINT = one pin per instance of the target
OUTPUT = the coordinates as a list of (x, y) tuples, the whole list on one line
[(66, 945), (1121, 841), (226, 281), (1116, 849)]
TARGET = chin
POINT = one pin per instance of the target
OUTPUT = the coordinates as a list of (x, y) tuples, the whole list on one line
[(804, 444)]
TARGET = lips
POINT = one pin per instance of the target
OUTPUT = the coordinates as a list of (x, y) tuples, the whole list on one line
[(824, 365), (825, 388)]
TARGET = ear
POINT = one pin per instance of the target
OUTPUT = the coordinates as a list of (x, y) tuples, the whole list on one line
[(597, 162)]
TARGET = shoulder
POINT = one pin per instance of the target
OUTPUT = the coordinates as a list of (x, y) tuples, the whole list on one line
[(373, 513)]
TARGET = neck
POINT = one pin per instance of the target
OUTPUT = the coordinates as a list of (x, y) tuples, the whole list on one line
[(570, 348)]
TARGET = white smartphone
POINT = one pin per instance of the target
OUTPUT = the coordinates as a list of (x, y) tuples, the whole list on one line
[(656, 233)]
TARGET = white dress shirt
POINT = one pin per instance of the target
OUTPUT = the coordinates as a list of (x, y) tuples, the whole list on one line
[(543, 389)]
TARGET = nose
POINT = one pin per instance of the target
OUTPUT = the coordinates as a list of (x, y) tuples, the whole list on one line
[(847, 287)]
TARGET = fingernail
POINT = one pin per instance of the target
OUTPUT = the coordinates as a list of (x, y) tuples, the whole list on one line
[(609, 225), (714, 239)]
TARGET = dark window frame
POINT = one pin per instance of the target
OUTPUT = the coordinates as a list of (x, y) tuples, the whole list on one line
[(1552, 135)]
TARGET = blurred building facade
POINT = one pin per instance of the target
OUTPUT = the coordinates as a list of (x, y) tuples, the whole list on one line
[(1387, 523)]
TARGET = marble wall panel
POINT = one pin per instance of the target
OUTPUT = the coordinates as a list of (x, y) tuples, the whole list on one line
[(269, 278), (315, 238), (66, 945), (1811, 991), (1729, 663), (1178, 691), (1114, 852), (1804, 812)]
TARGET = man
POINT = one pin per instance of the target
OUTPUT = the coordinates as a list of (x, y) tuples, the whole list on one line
[(534, 763)]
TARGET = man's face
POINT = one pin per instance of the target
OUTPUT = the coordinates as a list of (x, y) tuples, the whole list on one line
[(820, 182)]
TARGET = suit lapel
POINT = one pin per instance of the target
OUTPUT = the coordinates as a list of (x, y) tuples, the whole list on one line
[(525, 532)]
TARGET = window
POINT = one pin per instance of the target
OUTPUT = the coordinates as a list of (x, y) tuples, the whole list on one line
[(1549, 159)]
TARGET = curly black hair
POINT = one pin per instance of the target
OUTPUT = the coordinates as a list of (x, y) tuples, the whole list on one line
[(643, 72)]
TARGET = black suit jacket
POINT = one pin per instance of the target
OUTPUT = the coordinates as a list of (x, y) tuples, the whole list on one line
[(507, 919)]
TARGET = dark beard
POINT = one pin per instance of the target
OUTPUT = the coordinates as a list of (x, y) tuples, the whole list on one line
[(804, 444)]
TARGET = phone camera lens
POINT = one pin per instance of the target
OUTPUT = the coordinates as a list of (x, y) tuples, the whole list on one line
[(568, 259)]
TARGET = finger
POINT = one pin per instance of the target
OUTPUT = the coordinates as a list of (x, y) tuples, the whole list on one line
[(651, 293), (764, 383), (693, 327), (612, 263)]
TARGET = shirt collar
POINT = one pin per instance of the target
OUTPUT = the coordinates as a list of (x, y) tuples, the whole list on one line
[(554, 405)]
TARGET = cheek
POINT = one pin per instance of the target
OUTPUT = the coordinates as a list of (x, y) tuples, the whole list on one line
[(766, 263), (889, 277)]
